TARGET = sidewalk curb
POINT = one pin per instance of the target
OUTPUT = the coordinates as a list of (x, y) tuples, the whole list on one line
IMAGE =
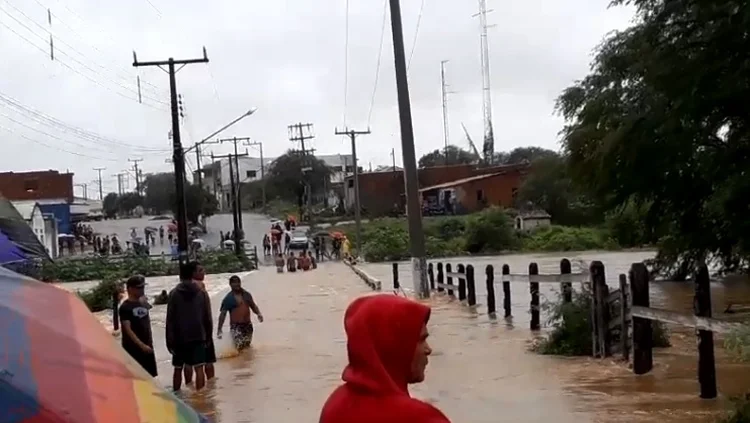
[(373, 283)]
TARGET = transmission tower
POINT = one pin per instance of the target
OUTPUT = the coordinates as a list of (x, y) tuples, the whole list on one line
[(488, 148)]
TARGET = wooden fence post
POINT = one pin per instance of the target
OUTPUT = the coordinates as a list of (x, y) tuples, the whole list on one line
[(706, 360), (440, 277), (643, 338), (471, 288), (601, 292), (506, 290), (431, 276), (396, 284), (534, 291), (461, 282), (566, 287), (448, 277), (624, 299), (115, 311), (490, 272)]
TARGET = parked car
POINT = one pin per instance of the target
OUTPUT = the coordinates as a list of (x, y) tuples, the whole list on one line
[(299, 240)]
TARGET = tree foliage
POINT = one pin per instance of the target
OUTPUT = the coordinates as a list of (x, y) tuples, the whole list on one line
[(447, 156), (109, 205), (286, 179), (662, 120), (158, 189)]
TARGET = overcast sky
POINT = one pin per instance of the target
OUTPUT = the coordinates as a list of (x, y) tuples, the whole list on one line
[(285, 57)]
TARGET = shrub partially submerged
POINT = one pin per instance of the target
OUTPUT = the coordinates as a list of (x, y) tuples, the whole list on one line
[(571, 327)]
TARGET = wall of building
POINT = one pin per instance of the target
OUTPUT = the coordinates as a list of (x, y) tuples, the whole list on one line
[(43, 185), (495, 191), (62, 215), (379, 191)]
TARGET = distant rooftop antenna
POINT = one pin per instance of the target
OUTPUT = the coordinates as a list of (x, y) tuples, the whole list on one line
[(488, 148)]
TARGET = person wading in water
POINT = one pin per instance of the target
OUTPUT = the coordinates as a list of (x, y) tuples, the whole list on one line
[(238, 304), (136, 326)]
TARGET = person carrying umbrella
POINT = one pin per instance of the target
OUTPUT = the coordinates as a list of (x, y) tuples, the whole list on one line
[(137, 339)]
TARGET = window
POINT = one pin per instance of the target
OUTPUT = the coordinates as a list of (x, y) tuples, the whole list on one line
[(480, 195), (350, 183), (31, 184), (250, 174), (337, 168), (514, 193)]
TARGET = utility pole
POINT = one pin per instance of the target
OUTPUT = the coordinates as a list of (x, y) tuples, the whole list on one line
[(393, 158), (236, 194), (445, 92), (262, 170), (488, 148), (413, 203), (198, 154), (235, 205), (178, 157), (101, 193), (300, 132), (357, 207), (85, 190), (119, 182), (137, 174)]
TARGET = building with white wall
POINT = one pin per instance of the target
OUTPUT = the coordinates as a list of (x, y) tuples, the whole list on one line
[(43, 225)]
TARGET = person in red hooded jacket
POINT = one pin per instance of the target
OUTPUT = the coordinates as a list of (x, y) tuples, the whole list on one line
[(388, 350)]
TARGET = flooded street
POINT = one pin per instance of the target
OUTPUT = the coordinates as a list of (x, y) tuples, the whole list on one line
[(607, 387), (480, 368)]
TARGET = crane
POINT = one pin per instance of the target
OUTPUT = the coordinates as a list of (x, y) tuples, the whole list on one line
[(471, 143)]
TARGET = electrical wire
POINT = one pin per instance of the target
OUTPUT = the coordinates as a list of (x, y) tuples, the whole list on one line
[(79, 132), (416, 35), (56, 147), (79, 63), (377, 66)]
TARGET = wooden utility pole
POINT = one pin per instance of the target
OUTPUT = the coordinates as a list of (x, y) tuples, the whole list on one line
[(178, 157), (413, 203), (101, 192), (262, 170), (352, 134), (137, 174), (119, 182), (236, 194), (236, 215), (300, 132)]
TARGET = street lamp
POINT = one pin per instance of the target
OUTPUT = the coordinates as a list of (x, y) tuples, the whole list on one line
[(225, 127)]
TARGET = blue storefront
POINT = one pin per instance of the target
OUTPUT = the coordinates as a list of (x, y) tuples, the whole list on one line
[(61, 211)]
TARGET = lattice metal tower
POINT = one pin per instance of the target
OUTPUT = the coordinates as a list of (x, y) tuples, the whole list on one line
[(488, 148)]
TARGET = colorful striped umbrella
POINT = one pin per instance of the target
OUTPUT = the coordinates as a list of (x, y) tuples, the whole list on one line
[(59, 365)]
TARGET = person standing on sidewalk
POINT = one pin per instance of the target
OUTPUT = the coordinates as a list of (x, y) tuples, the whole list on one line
[(238, 304), (198, 277), (188, 326), (388, 350), (137, 339)]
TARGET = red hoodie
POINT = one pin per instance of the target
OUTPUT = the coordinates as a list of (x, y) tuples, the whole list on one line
[(383, 332)]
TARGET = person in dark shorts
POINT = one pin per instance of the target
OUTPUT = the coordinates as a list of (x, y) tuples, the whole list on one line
[(188, 326), (198, 278), (137, 339), (238, 303)]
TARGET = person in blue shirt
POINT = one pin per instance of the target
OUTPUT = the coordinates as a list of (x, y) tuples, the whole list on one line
[(238, 303)]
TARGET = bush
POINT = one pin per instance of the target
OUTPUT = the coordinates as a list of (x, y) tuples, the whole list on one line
[(740, 413), (100, 297), (72, 270), (563, 238), (386, 244), (571, 327), (738, 344), (489, 230)]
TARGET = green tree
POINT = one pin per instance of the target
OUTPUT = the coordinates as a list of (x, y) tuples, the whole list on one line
[(128, 201), (454, 156), (158, 189), (198, 202), (109, 205), (662, 120), (286, 178), (529, 154), (548, 186)]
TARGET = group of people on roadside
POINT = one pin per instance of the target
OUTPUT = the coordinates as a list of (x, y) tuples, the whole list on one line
[(189, 325)]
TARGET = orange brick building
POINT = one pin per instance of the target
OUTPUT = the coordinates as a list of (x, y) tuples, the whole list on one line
[(383, 192), (48, 185)]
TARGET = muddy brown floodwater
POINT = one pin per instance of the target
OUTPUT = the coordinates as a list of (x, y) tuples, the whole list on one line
[(480, 371)]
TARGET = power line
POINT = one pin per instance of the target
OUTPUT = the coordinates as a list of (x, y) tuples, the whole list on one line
[(377, 66), (82, 133), (90, 78), (416, 35), (127, 76), (35, 141)]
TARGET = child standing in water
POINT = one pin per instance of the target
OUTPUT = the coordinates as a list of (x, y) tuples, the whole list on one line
[(279, 263)]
